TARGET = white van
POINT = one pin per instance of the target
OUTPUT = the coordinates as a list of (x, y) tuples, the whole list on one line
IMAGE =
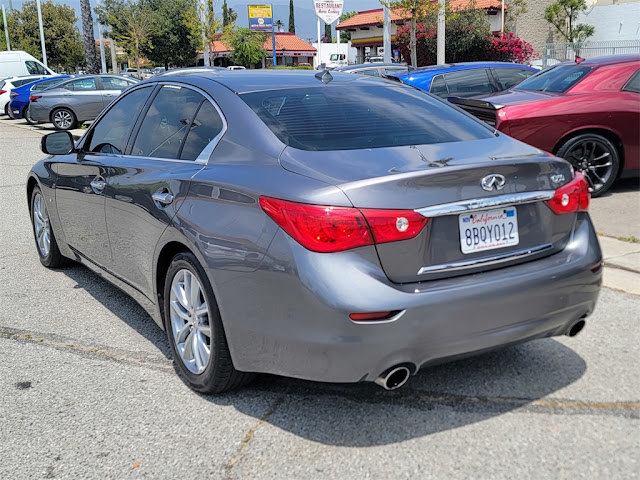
[(16, 63)]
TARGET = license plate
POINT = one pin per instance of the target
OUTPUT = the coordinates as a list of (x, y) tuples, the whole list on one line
[(482, 231)]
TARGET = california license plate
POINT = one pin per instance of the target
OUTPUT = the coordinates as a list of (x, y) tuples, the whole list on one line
[(488, 230)]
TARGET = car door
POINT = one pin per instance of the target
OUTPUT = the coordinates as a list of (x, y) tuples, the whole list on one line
[(111, 87), (146, 186), (84, 98)]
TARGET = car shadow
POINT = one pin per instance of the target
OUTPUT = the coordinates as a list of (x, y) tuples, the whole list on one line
[(437, 399), (622, 185)]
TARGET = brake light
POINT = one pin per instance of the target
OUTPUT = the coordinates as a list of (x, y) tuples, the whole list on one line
[(33, 98), (572, 197), (324, 228), (2, 92)]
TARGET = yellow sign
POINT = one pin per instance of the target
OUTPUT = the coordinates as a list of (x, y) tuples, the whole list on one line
[(259, 11)]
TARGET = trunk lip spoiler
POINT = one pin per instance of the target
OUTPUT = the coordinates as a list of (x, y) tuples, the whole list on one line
[(478, 204), (472, 102)]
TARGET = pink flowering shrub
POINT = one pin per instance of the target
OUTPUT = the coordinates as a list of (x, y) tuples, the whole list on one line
[(509, 48)]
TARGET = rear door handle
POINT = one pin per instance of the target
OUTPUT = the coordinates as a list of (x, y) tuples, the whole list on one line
[(163, 198)]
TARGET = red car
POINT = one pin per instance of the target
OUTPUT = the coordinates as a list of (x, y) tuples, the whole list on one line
[(587, 112)]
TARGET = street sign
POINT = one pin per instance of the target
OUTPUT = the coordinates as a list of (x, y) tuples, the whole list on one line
[(260, 18), (328, 10)]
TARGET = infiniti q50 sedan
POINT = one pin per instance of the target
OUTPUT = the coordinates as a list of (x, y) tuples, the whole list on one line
[(327, 227)]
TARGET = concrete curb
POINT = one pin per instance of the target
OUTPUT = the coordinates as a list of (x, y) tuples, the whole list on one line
[(622, 265)]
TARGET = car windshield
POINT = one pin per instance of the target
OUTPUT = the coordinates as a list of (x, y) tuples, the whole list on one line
[(555, 79), (356, 117)]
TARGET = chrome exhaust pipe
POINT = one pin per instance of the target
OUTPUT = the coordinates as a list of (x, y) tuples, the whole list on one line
[(393, 378), (576, 328)]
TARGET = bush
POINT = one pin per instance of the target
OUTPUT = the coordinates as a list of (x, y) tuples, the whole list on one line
[(509, 48)]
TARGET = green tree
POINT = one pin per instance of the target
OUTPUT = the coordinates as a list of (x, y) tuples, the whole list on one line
[(327, 33), (247, 46), (172, 42), (88, 39), (132, 25), (203, 24), (416, 11), (345, 36), (62, 37), (563, 14), (229, 16), (292, 18)]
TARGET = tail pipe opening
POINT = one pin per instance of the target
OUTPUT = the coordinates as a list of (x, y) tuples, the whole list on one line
[(576, 328), (394, 377)]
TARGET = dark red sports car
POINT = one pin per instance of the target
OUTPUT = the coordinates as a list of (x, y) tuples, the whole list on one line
[(587, 112)]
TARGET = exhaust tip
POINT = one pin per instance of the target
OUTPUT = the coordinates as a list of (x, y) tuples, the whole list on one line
[(393, 378), (576, 328)]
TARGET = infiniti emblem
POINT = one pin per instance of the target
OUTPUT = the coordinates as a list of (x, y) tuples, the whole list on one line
[(493, 181)]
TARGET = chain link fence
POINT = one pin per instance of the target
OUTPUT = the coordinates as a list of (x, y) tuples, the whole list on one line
[(561, 52)]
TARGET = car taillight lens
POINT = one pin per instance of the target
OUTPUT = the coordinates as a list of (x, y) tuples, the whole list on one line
[(13, 94), (2, 92), (324, 228), (572, 197), (33, 98)]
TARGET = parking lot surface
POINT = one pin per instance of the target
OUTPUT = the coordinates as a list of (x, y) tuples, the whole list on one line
[(89, 389)]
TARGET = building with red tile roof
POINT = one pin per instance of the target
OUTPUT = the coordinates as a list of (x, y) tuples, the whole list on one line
[(290, 50), (366, 26)]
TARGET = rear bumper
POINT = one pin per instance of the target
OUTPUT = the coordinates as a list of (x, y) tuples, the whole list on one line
[(290, 317)]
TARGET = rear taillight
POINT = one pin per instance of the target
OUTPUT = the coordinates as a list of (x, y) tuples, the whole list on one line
[(572, 197), (323, 228), (2, 92), (13, 94), (33, 98)]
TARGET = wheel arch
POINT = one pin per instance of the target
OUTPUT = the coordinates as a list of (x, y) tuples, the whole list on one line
[(167, 253), (31, 184), (608, 134)]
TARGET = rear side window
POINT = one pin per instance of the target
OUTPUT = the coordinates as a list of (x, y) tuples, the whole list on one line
[(372, 72), (34, 68), (468, 83), (81, 85), (439, 87), (167, 122), (509, 77), (205, 127), (113, 83), (47, 83), (353, 117), (633, 85), (111, 133)]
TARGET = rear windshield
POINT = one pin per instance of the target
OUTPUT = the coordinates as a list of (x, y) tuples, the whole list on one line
[(352, 117), (555, 79)]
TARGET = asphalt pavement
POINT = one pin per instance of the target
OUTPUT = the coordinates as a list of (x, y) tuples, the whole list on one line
[(89, 390)]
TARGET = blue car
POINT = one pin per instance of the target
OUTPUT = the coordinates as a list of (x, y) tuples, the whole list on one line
[(467, 79), (19, 104)]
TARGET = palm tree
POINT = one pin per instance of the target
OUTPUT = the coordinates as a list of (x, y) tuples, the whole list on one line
[(87, 35)]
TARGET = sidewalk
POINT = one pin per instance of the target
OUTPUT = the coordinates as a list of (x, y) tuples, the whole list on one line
[(622, 264)]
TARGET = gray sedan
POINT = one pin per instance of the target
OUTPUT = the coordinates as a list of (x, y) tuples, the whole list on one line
[(329, 227), (76, 100)]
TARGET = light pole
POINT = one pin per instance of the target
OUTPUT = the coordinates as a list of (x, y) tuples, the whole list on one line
[(44, 50), (6, 28), (441, 33)]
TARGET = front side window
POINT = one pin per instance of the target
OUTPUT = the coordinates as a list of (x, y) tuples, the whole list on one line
[(555, 79), (167, 123), (111, 132), (353, 117), (467, 83), (34, 68), (509, 77)]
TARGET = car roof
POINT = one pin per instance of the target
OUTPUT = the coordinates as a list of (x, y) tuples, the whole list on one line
[(244, 81), (607, 60), (368, 65)]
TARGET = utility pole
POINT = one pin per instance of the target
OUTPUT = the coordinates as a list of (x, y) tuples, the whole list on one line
[(6, 28), (502, 18), (441, 32), (103, 60), (386, 34), (44, 50)]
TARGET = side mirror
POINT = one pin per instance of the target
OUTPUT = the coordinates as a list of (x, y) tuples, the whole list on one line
[(58, 143)]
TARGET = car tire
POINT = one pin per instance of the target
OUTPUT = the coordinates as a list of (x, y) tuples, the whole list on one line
[(594, 155), (195, 331), (6, 110), (27, 118), (63, 119), (46, 244)]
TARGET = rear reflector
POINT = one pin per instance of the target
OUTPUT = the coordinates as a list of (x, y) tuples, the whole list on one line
[(325, 228), (373, 316), (572, 197)]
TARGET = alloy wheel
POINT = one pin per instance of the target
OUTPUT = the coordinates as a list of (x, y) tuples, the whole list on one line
[(63, 119), (41, 224), (595, 159), (190, 325)]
